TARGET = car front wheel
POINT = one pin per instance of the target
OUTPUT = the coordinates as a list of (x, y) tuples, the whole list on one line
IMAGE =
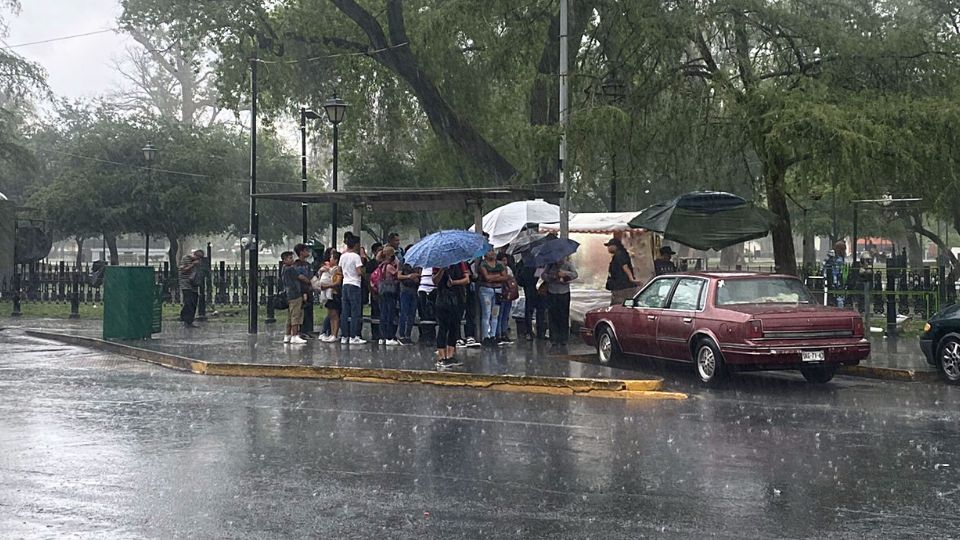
[(948, 358), (818, 374), (708, 363), (607, 348)]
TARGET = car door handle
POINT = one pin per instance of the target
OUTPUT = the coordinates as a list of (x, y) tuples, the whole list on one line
[(687, 320), (651, 317)]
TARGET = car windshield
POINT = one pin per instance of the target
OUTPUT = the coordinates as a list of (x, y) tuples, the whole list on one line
[(768, 290)]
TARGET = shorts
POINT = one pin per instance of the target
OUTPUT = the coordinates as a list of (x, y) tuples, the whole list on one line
[(295, 311), (333, 303)]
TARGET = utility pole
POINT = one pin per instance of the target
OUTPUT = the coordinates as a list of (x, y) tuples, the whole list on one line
[(564, 119), (252, 285)]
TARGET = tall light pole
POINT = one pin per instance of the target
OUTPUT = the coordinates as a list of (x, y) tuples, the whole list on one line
[(149, 154), (564, 120), (336, 110), (305, 113), (253, 240), (614, 91)]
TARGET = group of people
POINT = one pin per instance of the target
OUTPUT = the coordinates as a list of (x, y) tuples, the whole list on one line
[(448, 301)]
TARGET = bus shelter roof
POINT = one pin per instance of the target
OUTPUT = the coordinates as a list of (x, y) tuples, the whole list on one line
[(413, 200)]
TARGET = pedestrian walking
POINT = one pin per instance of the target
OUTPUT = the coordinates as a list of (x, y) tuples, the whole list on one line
[(534, 305), (492, 276), (190, 272), (388, 289), (330, 283), (663, 264), (351, 312), (409, 283), (621, 281), (558, 276), (425, 307), (293, 281), (450, 296), (509, 291)]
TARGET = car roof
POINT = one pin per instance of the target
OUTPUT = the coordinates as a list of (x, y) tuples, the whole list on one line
[(717, 274)]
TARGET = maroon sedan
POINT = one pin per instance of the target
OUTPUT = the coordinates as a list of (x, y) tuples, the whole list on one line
[(722, 322)]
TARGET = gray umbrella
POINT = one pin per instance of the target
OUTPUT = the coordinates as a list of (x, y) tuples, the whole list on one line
[(706, 220)]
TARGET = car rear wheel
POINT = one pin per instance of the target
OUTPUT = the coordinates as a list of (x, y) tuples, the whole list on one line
[(948, 358), (607, 348), (708, 363), (818, 374)]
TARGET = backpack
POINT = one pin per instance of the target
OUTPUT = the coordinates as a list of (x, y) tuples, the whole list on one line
[(385, 283), (511, 290), (376, 277)]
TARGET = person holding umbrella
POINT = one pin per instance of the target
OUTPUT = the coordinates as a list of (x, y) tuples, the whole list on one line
[(557, 276)]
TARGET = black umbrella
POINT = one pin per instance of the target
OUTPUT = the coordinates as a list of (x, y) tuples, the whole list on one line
[(706, 220)]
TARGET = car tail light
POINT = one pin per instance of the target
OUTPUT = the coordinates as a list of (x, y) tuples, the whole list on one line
[(857, 327), (754, 329)]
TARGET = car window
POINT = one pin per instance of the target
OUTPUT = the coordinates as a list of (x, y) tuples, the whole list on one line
[(687, 294), (656, 294), (765, 290)]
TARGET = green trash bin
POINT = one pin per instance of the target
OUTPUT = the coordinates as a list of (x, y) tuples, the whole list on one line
[(131, 303)]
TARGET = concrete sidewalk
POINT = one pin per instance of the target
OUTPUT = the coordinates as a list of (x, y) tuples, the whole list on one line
[(226, 349)]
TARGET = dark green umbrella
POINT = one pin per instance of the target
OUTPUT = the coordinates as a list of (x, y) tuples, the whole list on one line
[(706, 220)]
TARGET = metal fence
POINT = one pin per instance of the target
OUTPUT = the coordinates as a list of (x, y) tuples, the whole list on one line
[(222, 285)]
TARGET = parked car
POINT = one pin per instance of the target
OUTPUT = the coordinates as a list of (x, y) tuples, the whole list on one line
[(940, 342), (721, 322)]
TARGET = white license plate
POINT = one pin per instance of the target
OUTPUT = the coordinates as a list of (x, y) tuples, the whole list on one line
[(812, 356)]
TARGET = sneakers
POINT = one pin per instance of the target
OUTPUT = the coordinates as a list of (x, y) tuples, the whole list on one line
[(305, 337), (504, 341), (448, 363), (472, 342), (286, 339), (393, 343), (357, 341), (297, 340), (322, 337), (329, 339), (461, 343), (382, 342), (344, 341)]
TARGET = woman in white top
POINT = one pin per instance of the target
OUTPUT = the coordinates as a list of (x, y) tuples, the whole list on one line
[(330, 279)]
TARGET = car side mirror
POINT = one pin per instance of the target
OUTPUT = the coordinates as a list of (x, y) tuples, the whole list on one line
[(630, 302)]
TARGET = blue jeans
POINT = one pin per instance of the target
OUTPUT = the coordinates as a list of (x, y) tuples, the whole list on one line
[(388, 316), (489, 312), (351, 312), (408, 312), (503, 324)]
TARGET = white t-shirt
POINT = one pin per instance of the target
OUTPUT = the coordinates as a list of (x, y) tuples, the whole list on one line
[(426, 280), (349, 262)]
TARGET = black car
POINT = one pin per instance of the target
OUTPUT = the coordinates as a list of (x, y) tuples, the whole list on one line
[(940, 342)]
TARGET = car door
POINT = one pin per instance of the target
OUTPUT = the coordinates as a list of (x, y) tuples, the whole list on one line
[(677, 321), (641, 335)]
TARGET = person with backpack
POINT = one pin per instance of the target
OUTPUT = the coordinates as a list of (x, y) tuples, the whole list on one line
[(371, 260), (509, 292), (293, 282), (450, 297), (384, 280), (328, 286), (409, 283)]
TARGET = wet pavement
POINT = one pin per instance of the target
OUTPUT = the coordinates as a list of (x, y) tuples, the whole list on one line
[(95, 445)]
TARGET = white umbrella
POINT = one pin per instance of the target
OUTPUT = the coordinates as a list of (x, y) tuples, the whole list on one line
[(503, 224)]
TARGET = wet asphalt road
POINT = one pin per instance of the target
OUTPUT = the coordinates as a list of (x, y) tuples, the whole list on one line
[(99, 446)]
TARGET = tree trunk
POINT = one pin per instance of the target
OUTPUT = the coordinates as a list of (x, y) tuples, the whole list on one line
[(784, 255), (444, 120), (730, 256), (79, 240), (914, 251), (173, 252), (111, 241), (809, 250)]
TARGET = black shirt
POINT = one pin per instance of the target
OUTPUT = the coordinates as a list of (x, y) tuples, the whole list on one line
[(411, 284), (661, 266), (617, 279)]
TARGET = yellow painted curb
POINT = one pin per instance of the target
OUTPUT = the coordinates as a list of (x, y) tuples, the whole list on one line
[(608, 388)]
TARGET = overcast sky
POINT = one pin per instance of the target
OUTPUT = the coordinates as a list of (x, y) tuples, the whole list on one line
[(78, 67)]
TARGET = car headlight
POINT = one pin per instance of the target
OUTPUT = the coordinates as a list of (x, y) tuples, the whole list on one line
[(926, 327)]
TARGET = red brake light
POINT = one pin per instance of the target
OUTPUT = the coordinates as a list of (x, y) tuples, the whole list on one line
[(857, 327), (754, 329)]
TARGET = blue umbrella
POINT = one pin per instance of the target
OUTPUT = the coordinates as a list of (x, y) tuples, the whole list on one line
[(551, 252), (441, 249)]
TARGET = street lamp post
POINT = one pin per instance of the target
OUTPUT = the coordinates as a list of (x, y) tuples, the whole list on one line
[(614, 91), (336, 110), (305, 114), (149, 154)]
